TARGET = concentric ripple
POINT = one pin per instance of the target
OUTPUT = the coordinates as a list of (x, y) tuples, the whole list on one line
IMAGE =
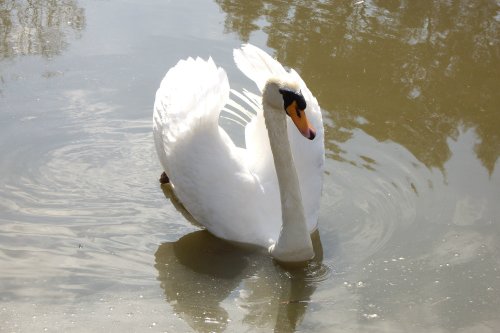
[(79, 200), (373, 192)]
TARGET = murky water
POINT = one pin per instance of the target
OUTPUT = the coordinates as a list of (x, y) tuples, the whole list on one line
[(409, 236)]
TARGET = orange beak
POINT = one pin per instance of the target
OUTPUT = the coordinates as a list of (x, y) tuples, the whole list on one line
[(300, 120)]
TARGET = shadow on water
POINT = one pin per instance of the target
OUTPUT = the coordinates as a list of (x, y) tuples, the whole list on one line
[(38, 27), (199, 272)]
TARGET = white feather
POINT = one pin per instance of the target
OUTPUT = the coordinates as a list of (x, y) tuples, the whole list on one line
[(233, 192)]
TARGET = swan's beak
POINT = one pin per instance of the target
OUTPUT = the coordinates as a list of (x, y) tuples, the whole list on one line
[(299, 118)]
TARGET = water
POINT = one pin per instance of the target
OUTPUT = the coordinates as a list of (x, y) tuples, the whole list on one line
[(409, 228)]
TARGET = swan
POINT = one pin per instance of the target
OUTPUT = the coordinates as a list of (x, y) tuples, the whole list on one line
[(267, 193)]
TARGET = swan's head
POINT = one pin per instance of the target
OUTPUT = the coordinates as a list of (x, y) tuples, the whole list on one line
[(286, 96)]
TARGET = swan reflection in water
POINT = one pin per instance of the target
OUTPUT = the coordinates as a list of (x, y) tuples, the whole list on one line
[(210, 282), (203, 277)]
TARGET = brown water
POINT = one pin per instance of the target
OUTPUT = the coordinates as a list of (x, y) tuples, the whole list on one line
[(409, 236)]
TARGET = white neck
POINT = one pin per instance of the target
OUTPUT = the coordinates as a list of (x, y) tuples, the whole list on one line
[(294, 242)]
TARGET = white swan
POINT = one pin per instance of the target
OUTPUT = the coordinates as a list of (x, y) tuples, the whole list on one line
[(266, 194)]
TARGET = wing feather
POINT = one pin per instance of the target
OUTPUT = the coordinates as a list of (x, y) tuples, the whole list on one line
[(209, 174), (257, 65)]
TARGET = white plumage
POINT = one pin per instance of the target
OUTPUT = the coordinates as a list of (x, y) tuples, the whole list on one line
[(232, 191)]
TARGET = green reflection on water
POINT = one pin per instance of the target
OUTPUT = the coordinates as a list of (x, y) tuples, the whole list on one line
[(38, 27), (414, 72)]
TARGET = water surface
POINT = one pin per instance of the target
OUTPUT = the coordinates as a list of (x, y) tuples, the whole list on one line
[(409, 232)]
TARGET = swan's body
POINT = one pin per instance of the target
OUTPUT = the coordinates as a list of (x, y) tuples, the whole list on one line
[(265, 194)]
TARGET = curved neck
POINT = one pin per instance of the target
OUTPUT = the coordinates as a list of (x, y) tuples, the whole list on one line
[(294, 242)]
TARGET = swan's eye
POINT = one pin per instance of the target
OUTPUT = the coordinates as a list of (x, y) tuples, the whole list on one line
[(301, 101)]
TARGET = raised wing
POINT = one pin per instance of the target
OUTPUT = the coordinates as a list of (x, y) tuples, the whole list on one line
[(308, 157)]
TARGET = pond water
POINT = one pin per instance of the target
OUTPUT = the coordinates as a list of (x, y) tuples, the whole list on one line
[(409, 230)]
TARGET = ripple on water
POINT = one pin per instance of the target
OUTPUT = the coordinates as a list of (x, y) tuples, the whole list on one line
[(86, 206), (312, 274), (367, 200), (319, 273), (81, 178)]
